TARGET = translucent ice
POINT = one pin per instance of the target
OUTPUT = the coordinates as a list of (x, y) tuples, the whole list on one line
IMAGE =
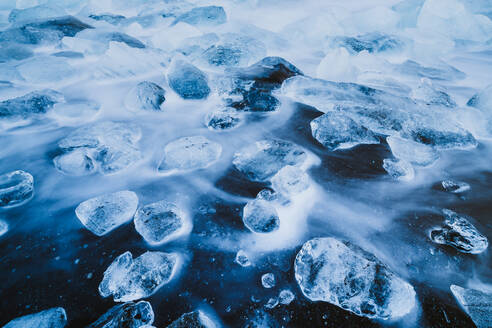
[(477, 304), (204, 16), (105, 213), (52, 318), (482, 100), (16, 188), (46, 69), (109, 18), (263, 159), (271, 303), (145, 96), (268, 280), (343, 274), (225, 119), (4, 227), (36, 102), (457, 231), (188, 81), (456, 187), (190, 153), (161, 222), (129, 279), (411, 151), (242, 259), (432, 95), (77, 162), (35, 13), (336, 130), (260, 216), (286, 297), (399, 169), (195, 319), (438, 72), (370, 42), (128, 315), (290, 180), (439, 134)]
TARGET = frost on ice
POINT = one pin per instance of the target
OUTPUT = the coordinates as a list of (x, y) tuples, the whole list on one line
[(457, 231), (190, 153), (345, 275), (16, 188), (260, 216), (105, 213), (52, 318), (195, 319), (477, 304), (128, 279), (128, 315), (161, 222)]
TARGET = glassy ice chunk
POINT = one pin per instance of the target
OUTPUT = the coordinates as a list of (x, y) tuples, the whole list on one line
[(52, 318), (242, 259), (160, 222), (271, 303), (458, 232), (456, 187), (203, 16), (35, 13), (286, 297), (36, 102), (335, 130), (399, 169), (290, 180), (268, 280), (113, 159), (223, 119), (128, 315), (477, 304), (440, 135), (103, 133), (4, 227), (145, 96), (482, 100), (105, 213), (46, 69), (370, 42), (432, 95), (16, 188), (195, 319), (263, 159), (77, 162), (441, 72), (345, 275), (188, 81), (129, 279), (411, 151), (190, 153), (260, 216)]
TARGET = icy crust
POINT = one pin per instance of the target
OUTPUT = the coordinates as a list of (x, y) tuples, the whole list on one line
[(107, 147), (128, 279), (52, 318), (343, 274), (105, 213), (128, 315), (16, 188), (459, 233), (477, 304), (189, 153), (195, 319)]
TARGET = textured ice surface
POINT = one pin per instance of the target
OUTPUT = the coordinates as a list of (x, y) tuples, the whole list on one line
[(268, 280), (399, 169), (76, 162), (477, 304), (105, 213), (36, 102), (260, 216), (432, 95), (263, 159), (457, 231), (35, 13), (370, 42), (242, 259), (188, 81), (52, 318), (290, 180), (286, 297), (482, 100), (343, 274), (161, 222), (128, 315), (455, 187), (204, 16), (145, 96), (223, 119), (411, 151), (190, 153), (16, 188), (4, 227), (128, 279), (335, 130), (195, 319)]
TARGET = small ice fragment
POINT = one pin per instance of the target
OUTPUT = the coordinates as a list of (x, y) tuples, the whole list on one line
[(16, 188), (482, 100), (242, 259), (130, 314), (477, 304), (456, 187), (411, 151), (268, 280), (190, 153), (223, 119), (336, 130), (161, 222), (345, 275), (271, 303), (188, 81), (52, 318), (77, 162), (290, 180), (203, 16), (286, 297), (129, 279), (146, 96), (105, 213), (458, 232), (36, 102), (263, 159), (195, 319), (260, 216), (399, 169)]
